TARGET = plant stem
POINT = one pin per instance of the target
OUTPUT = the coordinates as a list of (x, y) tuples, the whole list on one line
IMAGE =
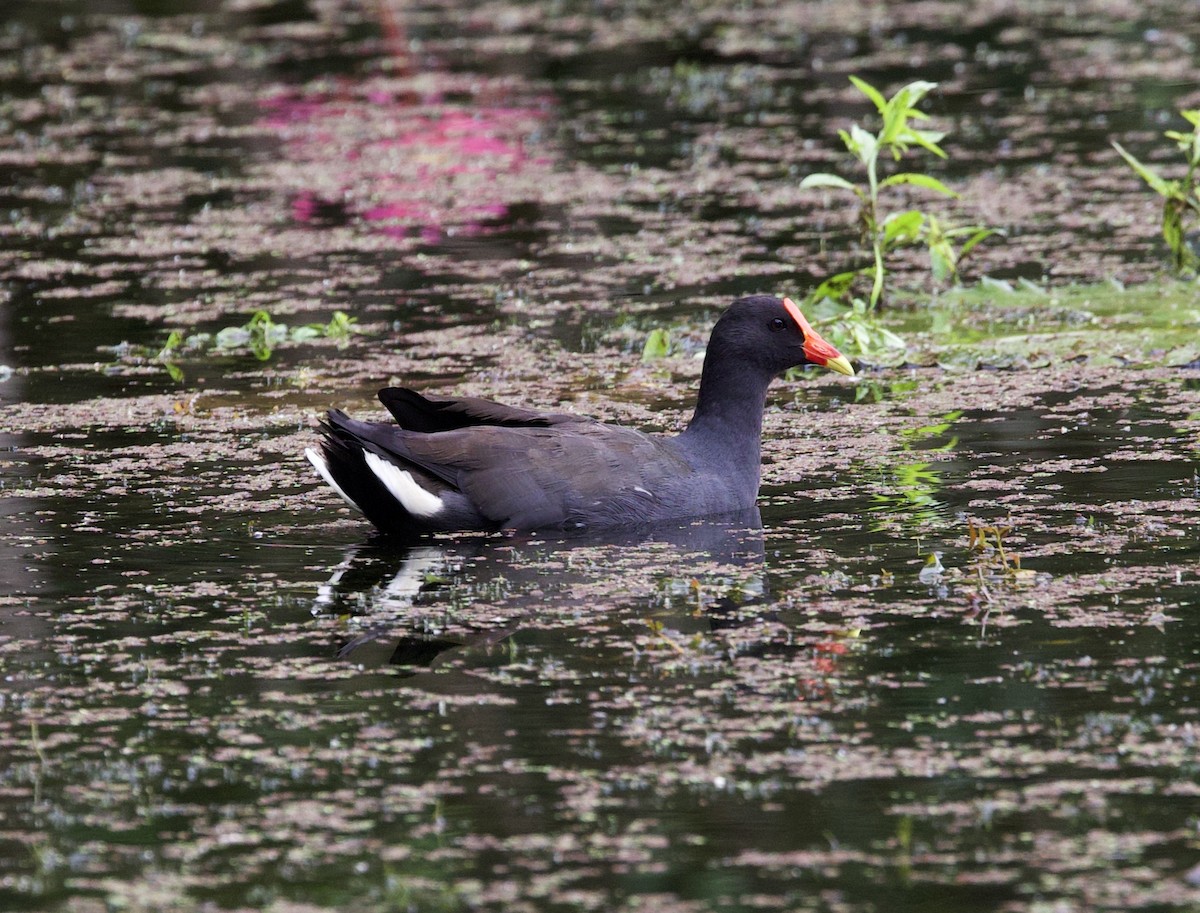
[(877, 287), (873, 226)]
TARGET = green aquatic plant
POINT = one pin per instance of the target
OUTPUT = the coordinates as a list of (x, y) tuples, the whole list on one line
[(855, 328), (1181, 197), (340, 327), (882, 231), (658, 345), (261, 334), (166, 355), (978, 540)]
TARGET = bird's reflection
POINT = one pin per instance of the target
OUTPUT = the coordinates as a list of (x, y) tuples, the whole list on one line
[(407, 606)]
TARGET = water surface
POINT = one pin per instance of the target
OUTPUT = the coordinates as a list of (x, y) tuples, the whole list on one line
[(220, 692)]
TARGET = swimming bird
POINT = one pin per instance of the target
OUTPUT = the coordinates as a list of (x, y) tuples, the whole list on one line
[(455, 464)]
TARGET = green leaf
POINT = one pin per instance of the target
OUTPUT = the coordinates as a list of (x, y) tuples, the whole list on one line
[(903, 227), (259, 319), (264, 333), (658, 345), (1188, 143), (164, 357), (980, 235), (851, 145), (866, 143), (861, 336), (871, 92), (917, 89), (919, 180), (1172, 230), (859, 332), (340, 326), (941, 261), (890, 340), (901, 108), (1157, 184), (174, 341), (835, 287), (307, 332), (928, 139), (869, 391), (828, 180)]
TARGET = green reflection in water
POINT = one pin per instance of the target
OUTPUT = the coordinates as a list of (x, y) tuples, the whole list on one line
[(909, 487)]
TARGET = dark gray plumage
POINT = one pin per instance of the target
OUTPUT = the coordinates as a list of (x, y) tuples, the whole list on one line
[(471, 464)]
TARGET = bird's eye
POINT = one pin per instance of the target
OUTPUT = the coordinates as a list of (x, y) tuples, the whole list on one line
[(777, 323)]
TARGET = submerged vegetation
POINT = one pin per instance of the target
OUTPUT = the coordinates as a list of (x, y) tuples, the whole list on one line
[(260, 336), (997, 324), (261, 333)]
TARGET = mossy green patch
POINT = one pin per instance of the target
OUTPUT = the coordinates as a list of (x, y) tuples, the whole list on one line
[(998, 324)]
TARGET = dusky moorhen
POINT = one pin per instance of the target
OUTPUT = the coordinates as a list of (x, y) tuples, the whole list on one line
[(470, 464)]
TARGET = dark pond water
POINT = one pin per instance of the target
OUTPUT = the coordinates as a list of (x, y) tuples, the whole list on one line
[(217, 691)]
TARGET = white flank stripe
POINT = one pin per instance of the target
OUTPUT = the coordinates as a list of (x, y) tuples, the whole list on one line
[(412, 497), (322, 467)]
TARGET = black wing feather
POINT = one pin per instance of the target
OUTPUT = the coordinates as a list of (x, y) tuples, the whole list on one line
[(430, 414)]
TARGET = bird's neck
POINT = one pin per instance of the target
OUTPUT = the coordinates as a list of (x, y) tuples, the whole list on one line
[(727, 424)]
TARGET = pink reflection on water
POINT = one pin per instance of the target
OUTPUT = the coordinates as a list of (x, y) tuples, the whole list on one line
[(410, 165)]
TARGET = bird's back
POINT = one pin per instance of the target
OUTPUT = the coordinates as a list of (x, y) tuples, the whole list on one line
[(474, 464)]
